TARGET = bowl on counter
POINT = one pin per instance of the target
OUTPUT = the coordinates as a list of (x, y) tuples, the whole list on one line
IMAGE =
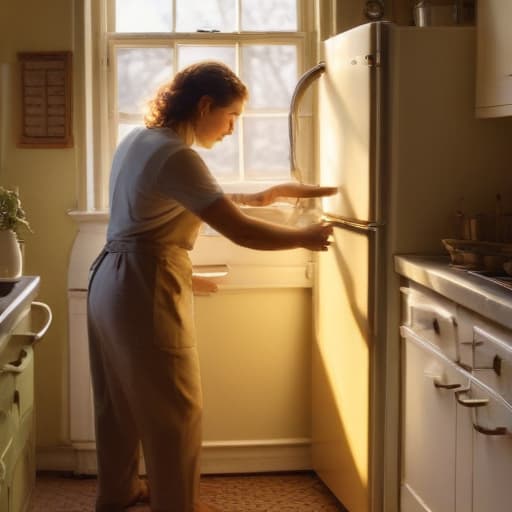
[(478, 255)]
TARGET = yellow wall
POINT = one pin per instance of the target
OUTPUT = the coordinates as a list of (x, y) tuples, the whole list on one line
[(47, 183)]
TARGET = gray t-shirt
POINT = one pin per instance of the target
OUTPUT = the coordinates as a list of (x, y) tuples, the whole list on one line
[(155, 176)]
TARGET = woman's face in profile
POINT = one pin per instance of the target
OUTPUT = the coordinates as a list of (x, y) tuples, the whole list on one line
[(214, 123)]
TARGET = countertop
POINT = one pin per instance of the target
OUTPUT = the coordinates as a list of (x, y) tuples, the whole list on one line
[(487, 299), (14, 299)]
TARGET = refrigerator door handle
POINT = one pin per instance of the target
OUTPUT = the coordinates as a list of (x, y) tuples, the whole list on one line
[(347, 223), (304, 82)]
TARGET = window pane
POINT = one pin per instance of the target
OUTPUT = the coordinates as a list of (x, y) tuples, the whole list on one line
[(139, 73), (267, 15), (222, 159), (188, 54), (270, 72), (124, 129), (192, 15), (143, 16), (266, 148)]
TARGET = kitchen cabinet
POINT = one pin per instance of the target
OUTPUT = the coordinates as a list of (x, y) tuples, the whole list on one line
[(492, 453), (429, 426), (456, 405), (23, 322), (494, 63)]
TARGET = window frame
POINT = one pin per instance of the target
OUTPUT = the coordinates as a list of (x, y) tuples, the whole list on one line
[(98, 103)]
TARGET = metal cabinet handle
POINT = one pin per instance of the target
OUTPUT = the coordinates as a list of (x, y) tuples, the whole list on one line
[(470, 402), (440, 385), (19, 365), (48, 311), (36, 336), (498, 431), (3, 471), (496, 364)]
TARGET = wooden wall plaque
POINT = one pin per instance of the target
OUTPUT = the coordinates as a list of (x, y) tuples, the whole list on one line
[(45, 100)]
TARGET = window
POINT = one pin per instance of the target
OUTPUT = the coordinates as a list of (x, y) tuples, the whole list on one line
[(147, 41)]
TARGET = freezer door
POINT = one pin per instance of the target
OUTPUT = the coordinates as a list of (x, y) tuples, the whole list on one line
[(349, 119)]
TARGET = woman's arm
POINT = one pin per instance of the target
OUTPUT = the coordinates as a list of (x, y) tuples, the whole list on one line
[(203, 286), (284, 190), (226, 218)]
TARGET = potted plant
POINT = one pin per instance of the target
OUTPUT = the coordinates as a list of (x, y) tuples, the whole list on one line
[(12, 222)]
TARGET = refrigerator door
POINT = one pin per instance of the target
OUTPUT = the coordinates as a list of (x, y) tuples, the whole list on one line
[(343, 352), (347, 424), (349, 122)]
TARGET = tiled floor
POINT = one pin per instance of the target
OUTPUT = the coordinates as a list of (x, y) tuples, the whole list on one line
[(294, 492)]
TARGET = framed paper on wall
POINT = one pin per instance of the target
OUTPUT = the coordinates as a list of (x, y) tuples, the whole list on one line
[(45, 82)]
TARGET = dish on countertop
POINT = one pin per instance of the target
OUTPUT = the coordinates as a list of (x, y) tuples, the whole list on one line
[(477, 255)]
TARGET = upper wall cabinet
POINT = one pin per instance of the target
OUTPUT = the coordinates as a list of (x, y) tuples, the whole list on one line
[(494, 59)]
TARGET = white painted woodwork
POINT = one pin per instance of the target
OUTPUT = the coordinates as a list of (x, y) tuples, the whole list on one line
[(429, 428), (494, 62), (492, 456)]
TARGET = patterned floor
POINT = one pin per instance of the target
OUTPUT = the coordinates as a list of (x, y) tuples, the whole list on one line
[(295, 492)]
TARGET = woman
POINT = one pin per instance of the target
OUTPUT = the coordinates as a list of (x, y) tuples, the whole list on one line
[(140, 313)]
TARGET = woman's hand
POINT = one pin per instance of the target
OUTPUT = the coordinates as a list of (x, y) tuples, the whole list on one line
[(202, 286), (316, 236), (284, 190)]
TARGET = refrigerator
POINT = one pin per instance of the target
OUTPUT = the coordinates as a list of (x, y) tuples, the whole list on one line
[(397, 133)]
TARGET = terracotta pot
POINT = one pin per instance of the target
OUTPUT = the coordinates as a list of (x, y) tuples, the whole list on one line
[(10, 256)]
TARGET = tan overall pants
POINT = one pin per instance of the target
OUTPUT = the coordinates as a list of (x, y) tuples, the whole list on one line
[(145, 374)]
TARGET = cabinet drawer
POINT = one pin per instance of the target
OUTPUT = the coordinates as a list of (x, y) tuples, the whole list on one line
[(433, 319), (24, 382), (20, 367), (429, 426), (23, 466), (8, 413), (493, 359), (6, 463), (492, 449)]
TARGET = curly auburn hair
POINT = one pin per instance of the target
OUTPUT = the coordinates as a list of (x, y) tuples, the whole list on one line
[(176, 101)]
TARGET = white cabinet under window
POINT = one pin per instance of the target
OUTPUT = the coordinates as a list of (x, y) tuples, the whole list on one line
[(494, 58)]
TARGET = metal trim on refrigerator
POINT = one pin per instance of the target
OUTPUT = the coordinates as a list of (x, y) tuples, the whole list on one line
[(304, 82), (359, 225)]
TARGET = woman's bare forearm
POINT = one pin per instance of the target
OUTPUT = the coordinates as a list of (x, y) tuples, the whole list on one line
[(283, 190), (227, 219)]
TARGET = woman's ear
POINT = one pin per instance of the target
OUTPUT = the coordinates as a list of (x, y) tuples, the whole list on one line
[(204, 105)]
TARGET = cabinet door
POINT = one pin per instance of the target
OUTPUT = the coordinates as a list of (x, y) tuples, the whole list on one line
[(23, 467), (494, 65), (429, 428), (492, 454)]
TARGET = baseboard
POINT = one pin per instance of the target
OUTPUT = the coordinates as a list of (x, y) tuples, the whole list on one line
[(247, 456), (256, 456), (56, 458)]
